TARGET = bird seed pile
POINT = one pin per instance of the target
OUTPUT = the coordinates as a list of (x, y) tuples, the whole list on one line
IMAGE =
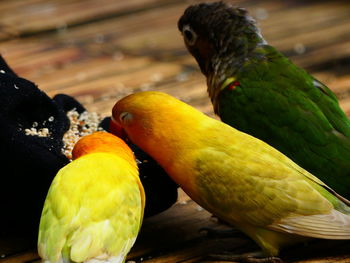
[(42, 132), (81, 124)]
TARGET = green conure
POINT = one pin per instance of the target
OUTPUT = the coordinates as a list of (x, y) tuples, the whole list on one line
[(259, 91)]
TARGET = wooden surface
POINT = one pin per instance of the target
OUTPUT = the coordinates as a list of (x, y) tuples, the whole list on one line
[(101, 50)]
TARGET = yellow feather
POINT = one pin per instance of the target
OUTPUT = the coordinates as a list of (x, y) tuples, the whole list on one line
[(239, 178), (93, 209)]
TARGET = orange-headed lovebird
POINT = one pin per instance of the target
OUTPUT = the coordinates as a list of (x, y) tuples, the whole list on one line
[(237, 177), (94, 207)]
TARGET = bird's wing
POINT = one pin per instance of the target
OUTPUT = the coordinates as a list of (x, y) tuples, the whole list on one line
[(284, 106), (250, 184), (334, 225)]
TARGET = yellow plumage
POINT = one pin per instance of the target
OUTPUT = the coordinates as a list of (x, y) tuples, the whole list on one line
[(94, 207), (237, 177)]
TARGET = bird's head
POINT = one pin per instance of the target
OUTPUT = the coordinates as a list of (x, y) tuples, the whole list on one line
[(105, 142), (143, 115), (154, 121), (217, 30)]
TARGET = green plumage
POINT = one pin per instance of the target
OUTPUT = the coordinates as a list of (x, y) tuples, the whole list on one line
[(287, 108), (257, 90)]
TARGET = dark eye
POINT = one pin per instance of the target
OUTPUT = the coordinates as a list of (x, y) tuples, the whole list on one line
[(189, 35)]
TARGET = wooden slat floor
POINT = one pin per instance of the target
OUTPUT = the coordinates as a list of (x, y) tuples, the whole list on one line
[(100, 51)]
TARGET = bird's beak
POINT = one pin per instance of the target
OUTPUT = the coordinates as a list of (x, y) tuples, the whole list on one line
[(116, 129)]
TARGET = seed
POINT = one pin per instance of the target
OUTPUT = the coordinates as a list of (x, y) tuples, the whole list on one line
[(80, 125)]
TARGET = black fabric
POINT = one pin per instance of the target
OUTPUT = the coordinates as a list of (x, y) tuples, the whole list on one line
[(160, 190), (29, 163), (67, 103)]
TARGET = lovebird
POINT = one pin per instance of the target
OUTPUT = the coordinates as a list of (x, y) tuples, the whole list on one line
[(256, 89), (237, 177), (94, 207)]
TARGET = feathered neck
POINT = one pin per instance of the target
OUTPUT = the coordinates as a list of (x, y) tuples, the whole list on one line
[(234, 53)]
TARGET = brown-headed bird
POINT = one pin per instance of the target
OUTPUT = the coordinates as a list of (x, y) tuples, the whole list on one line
[(257, 90)]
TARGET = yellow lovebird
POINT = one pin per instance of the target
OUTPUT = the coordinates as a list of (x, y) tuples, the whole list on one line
[(94, 207), (237, 177)]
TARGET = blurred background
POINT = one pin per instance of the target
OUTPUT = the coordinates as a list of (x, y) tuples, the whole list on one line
[(101, 50)]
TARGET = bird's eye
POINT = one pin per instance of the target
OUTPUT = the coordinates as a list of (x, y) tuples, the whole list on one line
[(125, 117), (189, 35)]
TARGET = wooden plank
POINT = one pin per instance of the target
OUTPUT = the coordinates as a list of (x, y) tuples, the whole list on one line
[(99, 51), (26, 17), (138, 44), (67, 66), (30, 256), (11, 246)]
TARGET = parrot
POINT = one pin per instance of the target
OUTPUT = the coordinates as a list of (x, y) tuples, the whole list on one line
[(239, 178), (94, 207), (257, 90)]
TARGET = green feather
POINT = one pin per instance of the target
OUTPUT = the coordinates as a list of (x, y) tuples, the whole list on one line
[(274, 100), (283, 106)]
